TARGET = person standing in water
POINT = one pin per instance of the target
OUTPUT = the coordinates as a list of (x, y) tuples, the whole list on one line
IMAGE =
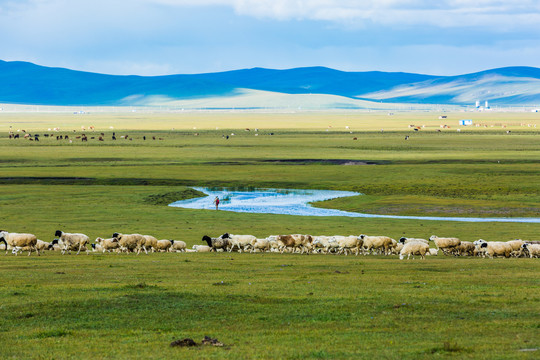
[(216, 202)]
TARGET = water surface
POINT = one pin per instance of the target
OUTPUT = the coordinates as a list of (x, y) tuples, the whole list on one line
[(297, 202)]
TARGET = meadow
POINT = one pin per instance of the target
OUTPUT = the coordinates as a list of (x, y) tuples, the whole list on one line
[(269, 305)]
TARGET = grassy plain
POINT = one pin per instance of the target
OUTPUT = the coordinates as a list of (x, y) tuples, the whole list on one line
[(270, 306)]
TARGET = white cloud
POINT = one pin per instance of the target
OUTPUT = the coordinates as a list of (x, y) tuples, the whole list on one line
[(445, 13)]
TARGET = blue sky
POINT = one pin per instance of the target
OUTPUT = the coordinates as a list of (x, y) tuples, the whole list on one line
[(154, 37)]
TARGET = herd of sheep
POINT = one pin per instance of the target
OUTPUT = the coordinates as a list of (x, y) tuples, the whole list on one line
[(295, 243)]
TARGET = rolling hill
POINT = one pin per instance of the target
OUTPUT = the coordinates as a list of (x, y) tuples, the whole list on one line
[(27, 83)]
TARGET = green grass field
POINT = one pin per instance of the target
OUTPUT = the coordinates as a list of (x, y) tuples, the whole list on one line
[(269, 305)]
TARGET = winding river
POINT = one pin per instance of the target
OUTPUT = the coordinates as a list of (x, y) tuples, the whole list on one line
[(297, 202)]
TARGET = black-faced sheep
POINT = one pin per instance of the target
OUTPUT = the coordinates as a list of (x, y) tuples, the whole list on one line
[(71, 242), (493, 248), (216, 243), (532, 249)]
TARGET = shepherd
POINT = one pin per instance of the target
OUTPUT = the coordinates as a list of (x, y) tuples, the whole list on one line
[(216, 202)]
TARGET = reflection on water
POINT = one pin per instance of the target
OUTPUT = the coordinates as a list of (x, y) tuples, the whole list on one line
[(297, 202)]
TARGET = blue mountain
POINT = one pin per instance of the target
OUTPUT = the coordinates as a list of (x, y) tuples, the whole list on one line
[(27, 83)]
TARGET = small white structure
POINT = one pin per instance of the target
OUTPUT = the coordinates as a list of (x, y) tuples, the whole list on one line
[(465, 122)]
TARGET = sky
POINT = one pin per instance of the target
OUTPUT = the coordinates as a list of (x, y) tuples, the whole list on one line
[(160, 37)]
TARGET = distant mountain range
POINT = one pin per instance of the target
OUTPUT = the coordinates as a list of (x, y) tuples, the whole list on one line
[(27, 83)]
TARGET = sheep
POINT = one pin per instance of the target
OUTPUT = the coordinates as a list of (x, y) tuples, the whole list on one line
[(405, 240), (130, 242), (493, 248), (18, 241), (150, 242), (97, 248), (177, 246), (325, 244), (446, 245), (516, 247), (72, 242), (383, 243), (216, 243), (42, 245), (238, 241), (348, 244), (433, 252), (295, 241), (202, 248), (414, 248), (107, 245), (532, 249), (163, 245), (260, 244), (465, 248)]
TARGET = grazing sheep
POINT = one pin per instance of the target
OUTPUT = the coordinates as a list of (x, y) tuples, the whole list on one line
[(493, 248), (377, 243), (69, 242), (414, 248), (433, 252), (238, 241), (163, 245), (107, 245), (130, 242), (18, 241), (216, 243), (532, 249), (177, 246), (446, 245)]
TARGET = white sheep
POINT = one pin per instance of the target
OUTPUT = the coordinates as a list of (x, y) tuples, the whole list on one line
[(516, 247), (414, 248), (433, 252), (493, 248), (348, 244), (261, 245), (130, 242), (445, 244), (163, 245), (17, 242), (69, 242), (377, 243), (177, 246), (238, 242), (107, 245), (202, 248), (150, 243)]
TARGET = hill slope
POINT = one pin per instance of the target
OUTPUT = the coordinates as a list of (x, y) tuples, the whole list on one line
[(27, 83)]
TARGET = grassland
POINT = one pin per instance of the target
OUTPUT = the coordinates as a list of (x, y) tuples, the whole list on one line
[(270, 306)]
